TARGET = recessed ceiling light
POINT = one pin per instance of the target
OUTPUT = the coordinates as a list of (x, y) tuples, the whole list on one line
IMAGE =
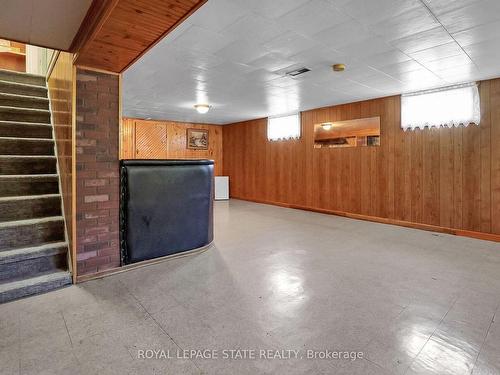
[(338, 67), (327, 125), (202, 108)]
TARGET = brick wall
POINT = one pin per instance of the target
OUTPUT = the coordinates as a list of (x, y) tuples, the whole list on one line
[(97, 172)]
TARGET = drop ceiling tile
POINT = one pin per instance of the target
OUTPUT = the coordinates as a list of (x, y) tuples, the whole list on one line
[(270, 9), (343, 35), (423, 40), (241, 51), (439, 7), (312, 17), (459, 74), (406, 24), (271, 62), (254, 28), (487, 47), (198, 39), (478, 34), (393, 56), (370, 12), (476, 14), (218, 15), (436, 53), (415, 76), (402, 67), (449, 62), (290, 43), (368, 47), (199, 62)]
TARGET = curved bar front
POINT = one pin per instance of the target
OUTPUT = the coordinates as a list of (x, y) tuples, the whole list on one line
[(166, 207)]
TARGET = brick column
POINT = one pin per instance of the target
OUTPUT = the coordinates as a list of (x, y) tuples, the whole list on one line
[(97, 172)]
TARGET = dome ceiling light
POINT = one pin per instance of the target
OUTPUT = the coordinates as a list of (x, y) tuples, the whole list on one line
[(202, 108)]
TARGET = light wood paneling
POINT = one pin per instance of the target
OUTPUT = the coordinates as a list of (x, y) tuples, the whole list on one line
[(61, 93), (176, 133), (438, 178), (115, 33), (150, 140)]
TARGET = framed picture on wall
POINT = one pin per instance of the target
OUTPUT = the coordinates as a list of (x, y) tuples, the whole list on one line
[(197, 139)]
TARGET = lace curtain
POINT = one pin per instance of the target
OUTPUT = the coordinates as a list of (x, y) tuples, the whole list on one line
[(449, 106), (282, 128)]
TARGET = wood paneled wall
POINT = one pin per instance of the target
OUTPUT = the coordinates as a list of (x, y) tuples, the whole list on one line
[(176, 141), (447, 178), (61, 93)]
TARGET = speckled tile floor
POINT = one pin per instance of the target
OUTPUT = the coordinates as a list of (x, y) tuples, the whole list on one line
[(411, 302)]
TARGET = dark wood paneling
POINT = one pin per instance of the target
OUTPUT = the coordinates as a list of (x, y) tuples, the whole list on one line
[(176, 133), (434, 177), (115, 33)]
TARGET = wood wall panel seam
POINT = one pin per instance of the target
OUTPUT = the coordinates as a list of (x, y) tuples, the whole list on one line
[(448, 177)]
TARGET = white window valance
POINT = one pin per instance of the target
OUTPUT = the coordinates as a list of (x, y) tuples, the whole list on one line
[(448, 106), (284, 127)]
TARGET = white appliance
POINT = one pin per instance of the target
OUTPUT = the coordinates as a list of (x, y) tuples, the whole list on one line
[(221, 187)]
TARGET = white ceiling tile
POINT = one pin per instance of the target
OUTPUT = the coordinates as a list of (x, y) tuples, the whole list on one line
[(198, 39), (312, 17), (241, 51), (423, 40), (448, 62), (487, 47), (368, 47), (343, 35), (320, 55), (393, 56), (443, 6), (271, 62), (270, 9), (289, 44), (408, 23), (369, 11), (217, 16), (476, 14), (415, 76), (402, 67), (478, 34), (436, 53), (224, 55), (254, 28)]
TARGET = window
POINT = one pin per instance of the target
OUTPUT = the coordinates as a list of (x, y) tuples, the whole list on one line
[(285, 127), (449, 106)]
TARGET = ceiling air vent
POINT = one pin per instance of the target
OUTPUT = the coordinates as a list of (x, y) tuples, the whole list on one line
[(296, 72)]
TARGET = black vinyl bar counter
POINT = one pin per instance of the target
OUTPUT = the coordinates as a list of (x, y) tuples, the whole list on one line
[(166, 207)]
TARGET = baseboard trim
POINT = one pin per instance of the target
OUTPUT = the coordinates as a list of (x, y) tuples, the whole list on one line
[(408, 224), (129, 267)]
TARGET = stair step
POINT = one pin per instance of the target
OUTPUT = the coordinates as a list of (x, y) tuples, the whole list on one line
[(32, 261), (30, 79), (26, 146), (27, 165), (23, 101), (29, 207), (25, 129), (9, 87), (35, 285), (19, 185), (33, 232), (24, 115)]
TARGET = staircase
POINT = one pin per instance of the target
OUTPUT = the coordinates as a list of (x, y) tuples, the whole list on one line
[(33, 248)]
